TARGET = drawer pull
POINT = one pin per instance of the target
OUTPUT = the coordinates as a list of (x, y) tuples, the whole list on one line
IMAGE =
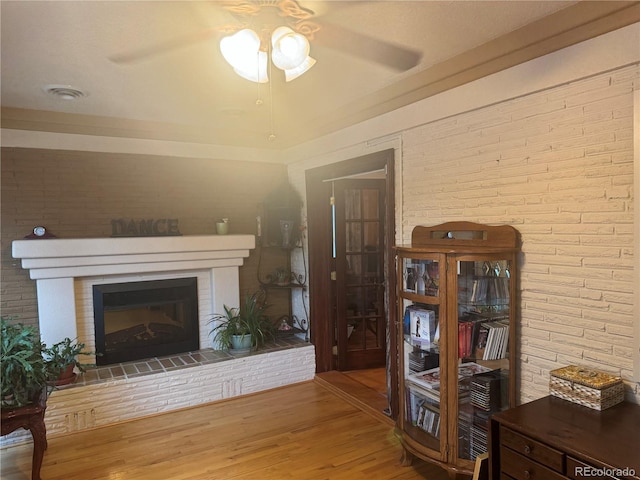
[(527, 475), (527, 450)]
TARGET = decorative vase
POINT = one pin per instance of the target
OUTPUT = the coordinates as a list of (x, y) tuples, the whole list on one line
[(222, 227), (286, 226), (240, 343)]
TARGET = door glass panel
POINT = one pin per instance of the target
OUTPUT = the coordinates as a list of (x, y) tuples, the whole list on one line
[(370, 204), (354, 236), (354, 270), (354, 302), (352, 210), (483, 349), (371, 235)]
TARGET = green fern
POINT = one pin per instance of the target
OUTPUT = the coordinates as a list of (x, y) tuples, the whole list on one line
[(21, 362)]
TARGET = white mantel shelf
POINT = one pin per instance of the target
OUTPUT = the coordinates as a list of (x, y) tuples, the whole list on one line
[(81, 257), (55, 264)]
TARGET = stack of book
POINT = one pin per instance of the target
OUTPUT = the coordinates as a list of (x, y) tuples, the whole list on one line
[(493, 340), (419, 360), (465, 420), (478, 441), (431, 378), (423, 412), (489, 390)]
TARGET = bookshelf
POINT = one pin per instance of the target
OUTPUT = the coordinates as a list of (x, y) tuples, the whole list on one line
[(457, 304), (279, 236)]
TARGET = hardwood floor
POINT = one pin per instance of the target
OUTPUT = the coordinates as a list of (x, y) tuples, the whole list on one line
[(304, 431), (364, 388), (373, 378)]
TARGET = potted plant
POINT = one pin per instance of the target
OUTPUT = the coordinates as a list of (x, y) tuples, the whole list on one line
[(244, 328), (23, 372), (61, 361)]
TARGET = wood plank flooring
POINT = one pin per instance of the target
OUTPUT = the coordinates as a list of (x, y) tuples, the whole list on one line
[(359, 387), (374, 378), (303, 431)]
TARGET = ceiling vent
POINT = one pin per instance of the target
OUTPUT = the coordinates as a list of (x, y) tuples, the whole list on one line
[(64, 92)]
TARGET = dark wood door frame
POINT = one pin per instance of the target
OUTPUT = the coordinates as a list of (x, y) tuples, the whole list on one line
[(319, 239)]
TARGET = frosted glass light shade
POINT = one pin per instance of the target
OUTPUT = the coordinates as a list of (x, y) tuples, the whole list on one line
[(294, 73), (257, 74), (290, 52), (240, 49), (290, 49)]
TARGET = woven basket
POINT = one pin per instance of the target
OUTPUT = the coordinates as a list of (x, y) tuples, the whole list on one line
[(587, 387)]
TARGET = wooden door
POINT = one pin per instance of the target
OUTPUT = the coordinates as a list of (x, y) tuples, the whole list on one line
[(359, 255)]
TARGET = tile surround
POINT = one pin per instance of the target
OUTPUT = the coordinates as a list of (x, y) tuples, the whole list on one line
[(151, 366)]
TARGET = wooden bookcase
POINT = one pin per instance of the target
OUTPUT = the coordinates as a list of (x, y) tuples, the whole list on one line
[(457, 311)]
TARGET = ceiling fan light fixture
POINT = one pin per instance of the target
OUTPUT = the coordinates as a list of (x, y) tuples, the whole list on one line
[(240, 49), (304, 67), (290, 49), (244, 52), (258, 71)]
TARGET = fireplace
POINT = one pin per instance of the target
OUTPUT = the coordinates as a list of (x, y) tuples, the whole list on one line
[(137, 320), (65, 271)]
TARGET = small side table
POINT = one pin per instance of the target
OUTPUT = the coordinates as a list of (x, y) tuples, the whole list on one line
[(29, 417)]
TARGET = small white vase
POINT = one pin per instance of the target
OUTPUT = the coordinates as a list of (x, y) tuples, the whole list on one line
[(222, 228)]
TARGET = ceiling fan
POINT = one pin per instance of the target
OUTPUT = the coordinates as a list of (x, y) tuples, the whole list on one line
[(266, 15)]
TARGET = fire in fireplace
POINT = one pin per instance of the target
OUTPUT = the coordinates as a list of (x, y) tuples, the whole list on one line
[(138, 320)]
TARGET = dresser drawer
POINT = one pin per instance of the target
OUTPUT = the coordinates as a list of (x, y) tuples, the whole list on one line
[(521, 467), (541, 453)]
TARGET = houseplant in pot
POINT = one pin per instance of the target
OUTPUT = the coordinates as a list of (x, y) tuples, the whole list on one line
[(23, 372), (61, 361), (243, 328)]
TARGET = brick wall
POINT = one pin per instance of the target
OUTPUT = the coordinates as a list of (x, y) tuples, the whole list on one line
[(77, 194), (84, 407), (558, 165)]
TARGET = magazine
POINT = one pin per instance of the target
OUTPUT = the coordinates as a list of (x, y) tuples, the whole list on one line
[(431, 378)]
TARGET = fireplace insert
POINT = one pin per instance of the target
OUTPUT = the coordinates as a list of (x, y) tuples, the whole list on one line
[(139, 320)]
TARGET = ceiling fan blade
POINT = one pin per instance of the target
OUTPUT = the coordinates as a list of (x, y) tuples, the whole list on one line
[(163, 47), (367, 47)]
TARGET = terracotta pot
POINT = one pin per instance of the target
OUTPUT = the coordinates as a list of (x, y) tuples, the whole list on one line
[(66, 377)]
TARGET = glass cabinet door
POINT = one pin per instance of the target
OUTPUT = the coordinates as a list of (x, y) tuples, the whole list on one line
[(420, 313), (483, 324)]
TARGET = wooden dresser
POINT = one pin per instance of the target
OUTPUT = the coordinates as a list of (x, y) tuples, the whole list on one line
[(553, 439)]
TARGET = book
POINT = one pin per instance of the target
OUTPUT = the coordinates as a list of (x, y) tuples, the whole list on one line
[(497, 340), (422, 325), (465, 333), (471, 368), (431, 378), (428, 378), (481, 341)]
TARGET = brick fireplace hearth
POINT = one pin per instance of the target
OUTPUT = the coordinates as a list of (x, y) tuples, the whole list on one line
[(66, 270)]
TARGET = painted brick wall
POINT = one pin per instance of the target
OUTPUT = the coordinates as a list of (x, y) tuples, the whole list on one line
[(558, 165), (84, 407), (77, 194)]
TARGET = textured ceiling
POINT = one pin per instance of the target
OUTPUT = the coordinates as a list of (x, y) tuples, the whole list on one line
[(190, 93)]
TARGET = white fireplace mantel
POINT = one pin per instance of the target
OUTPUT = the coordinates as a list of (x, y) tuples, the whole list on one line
[(55, 263)]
